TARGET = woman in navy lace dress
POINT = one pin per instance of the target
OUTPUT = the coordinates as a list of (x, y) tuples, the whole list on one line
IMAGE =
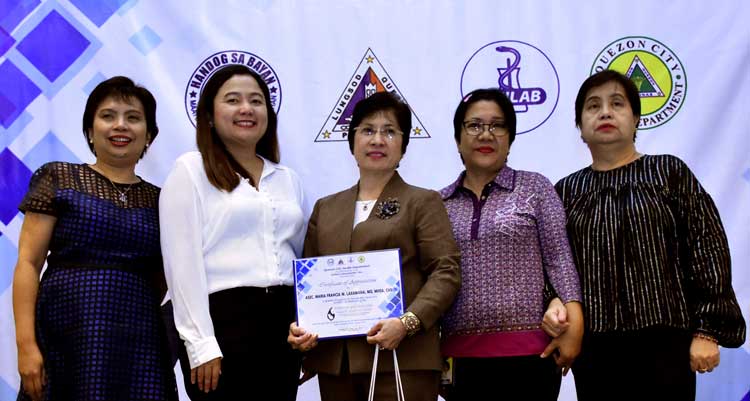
[(91, 328)]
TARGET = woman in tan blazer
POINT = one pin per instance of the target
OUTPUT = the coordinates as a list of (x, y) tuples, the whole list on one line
[(380, 212)]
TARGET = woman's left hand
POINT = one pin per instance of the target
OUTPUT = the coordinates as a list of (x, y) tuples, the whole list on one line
[(704, 355), (555, 321), (387, 333)]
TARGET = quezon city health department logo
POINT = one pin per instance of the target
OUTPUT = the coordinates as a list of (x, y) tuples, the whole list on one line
[(217, 60), (369, 77), (523, 72), (657, 72)]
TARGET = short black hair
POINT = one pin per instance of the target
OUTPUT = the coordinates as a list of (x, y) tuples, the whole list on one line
[(601, 78), (125, 89), (492, 95), (381, 102)]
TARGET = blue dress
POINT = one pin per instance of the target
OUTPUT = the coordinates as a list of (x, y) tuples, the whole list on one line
[(98, 322)]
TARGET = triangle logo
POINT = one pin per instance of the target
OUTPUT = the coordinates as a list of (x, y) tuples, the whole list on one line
[(369, 77), (644, 81)]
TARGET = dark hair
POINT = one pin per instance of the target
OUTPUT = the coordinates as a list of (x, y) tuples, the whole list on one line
[(601, 78), (221, 168), (122, 88), (492, 95), (380, 102)]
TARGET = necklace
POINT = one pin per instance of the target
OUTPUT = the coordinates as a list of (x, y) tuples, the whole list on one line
[(123, 198), (123, 194)]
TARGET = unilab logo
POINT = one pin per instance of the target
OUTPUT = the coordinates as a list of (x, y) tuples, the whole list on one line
[(523, 72), (657, 72), (369, 77), (217, 60)]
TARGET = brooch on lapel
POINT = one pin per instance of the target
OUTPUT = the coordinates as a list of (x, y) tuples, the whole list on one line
[(387, 208)]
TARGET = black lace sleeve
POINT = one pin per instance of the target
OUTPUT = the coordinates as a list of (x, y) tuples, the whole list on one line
[(40, 198)]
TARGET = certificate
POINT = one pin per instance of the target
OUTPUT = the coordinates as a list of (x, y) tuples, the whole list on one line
[(345, 295)]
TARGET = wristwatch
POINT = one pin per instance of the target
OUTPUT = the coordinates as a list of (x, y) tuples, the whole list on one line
[(411, 322)]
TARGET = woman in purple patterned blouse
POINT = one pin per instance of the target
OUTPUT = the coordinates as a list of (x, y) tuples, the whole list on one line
[(510, 227)]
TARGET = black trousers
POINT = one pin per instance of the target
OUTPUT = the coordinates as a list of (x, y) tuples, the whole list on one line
[(251, 326), (507, 378), (647, 364)]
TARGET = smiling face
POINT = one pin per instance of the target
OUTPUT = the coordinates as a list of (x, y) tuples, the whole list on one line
[(485, 152), (118, 131), (240, 116), (378, 153), (607, 117)]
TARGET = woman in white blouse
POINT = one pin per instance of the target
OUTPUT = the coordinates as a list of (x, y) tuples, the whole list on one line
[(231, 223)]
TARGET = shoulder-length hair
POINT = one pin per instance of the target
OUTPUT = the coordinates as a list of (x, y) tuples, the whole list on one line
[(221, 168)]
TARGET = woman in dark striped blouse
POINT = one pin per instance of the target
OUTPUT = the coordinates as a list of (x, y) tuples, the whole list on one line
[(652, 256)]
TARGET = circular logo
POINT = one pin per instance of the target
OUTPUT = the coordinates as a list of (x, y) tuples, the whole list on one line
[(217, 60), (523, 72), (656, 71)]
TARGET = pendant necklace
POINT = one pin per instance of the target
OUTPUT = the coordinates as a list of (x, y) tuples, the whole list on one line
[(123, 198), (123, 194)]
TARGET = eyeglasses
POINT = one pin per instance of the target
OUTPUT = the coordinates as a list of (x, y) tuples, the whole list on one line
[(475, 128), (388, 132)]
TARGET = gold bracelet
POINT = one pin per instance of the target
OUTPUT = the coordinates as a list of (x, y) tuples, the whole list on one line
[(411, 322), (705, 337)]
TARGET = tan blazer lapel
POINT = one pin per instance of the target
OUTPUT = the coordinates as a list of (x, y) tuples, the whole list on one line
[(341, 218), (376, 229)]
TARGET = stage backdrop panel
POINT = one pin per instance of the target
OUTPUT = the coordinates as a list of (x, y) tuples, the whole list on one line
[(691, 58)]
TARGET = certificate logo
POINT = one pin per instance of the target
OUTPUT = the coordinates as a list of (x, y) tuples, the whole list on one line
[(656, 71), (370, 77), (217, 60), (523, 72), (361, 259), (330, 262), (330, 315)]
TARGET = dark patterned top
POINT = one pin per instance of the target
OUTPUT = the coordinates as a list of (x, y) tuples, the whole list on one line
[(78, 195), (510, 240), (98, 322), (650, 250)]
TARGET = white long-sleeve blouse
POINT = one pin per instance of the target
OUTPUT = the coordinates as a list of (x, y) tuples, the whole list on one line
[(213, 240)]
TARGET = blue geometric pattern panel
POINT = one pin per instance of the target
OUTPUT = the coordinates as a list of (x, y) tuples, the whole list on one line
[(14, 181), (7, 392), (95, 80), (98, 11), (302, 268), (16, 92), (53, 45), (8, 255), (145, 40), (393, 306), (12, 12), (6, 41), (49, 148)]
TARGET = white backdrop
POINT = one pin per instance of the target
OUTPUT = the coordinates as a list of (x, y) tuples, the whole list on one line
[(693, 58)]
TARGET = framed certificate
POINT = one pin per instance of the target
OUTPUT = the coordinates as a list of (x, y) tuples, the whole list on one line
[(345, 295)]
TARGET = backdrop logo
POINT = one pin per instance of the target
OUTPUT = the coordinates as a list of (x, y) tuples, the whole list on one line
[(656, 71), (369, 77), (523, 72), (217, 60)]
